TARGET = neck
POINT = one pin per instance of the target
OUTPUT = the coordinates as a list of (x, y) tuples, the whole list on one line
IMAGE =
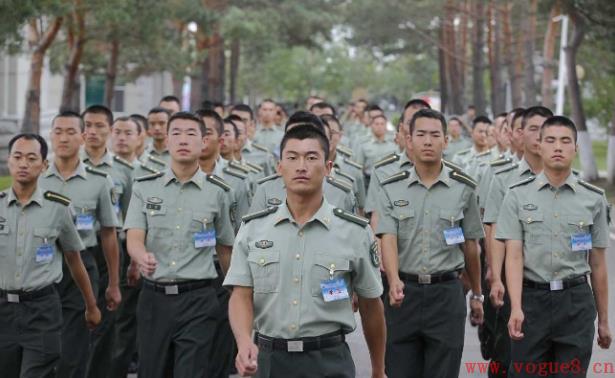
[(208, 164), (269, 125), (67, 166), (303, 207), (379, 138), (557, 177), (519, 154), (428, 172), (184, 172), (535, 162), (502, 148), (481, 149), (126, 156), (454, 138), (95, 154), (159, 145), (228, 156), (24, 191)]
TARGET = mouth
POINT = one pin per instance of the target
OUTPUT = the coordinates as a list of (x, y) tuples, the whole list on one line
[(301, 178), (557, 157)]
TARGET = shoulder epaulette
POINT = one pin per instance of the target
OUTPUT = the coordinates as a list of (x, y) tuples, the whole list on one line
[(387, 160), (452, 165), (57, 197), (339, 184), (463, 152), (500, 162), (239, 166), (396, 177), (259, 147), (149, 169), (591, 187), (259, 214), (268, 178), (219, 181), (156, 160), (96, 171), (507, 169), (2, 194), (344, 175), (149, 177), (353, 163), (344, 150), (523, 182), (576, 172), (254, 167), (234, 173), (346, 215), (462, 177), (125, 163), (483, 153)]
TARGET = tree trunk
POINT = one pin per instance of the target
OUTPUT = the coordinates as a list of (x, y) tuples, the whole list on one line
[(586, 154), (508, 47), (71, 85), (517, 66), (548, 53), (212, 85), (442, 71), (453, 74), (495, 61), (531, 91), (32, 113), (234, 68), (462, 46), (111, 72), (610, 155), (478, 85)]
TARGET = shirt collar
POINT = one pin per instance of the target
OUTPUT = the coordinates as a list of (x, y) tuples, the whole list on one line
[(322, 216), (403, 160), (443, 177), (53, 170), (197, 179), (37, 197), (542, 181), (107, 158)]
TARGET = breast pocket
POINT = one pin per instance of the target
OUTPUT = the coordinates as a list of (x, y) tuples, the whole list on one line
[(44, 236), (325, 268), (449, 219), (265, 268), (4, 239), (88, 207), (201, 220), (155, 216), (406, 221), (533, 226), (578, 224)]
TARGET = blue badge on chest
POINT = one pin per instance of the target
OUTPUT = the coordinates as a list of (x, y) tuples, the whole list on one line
[(44, 253), (581, 242), (205, 238), (334, 290), (454, 236), (84, 222)]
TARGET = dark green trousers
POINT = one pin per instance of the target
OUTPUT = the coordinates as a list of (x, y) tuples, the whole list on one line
[(333, 362), (558, 328), (75, 334), (175, 332), (223, 349), (30, 337), (425, 335)]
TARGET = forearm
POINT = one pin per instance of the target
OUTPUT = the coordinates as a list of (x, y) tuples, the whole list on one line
[(488, 244), (112, 254), (374, 330), (498, 253), (390, 259), (224, 257), (241, 314), (81, 278), (472, 264), (135, 245), (514, 273), (600, 285)]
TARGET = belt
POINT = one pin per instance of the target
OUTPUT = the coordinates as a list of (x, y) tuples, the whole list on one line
[(16, 296), (175, 288), (428, 279), (304, 344), (555, 285)]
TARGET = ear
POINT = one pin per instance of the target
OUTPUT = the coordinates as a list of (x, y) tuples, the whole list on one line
[(328, 166)]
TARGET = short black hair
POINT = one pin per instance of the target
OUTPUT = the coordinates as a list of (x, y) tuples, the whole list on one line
[(234, 118), (171, 98), (129, 119), (323, 105), (69, 114), (243, 108), (158, 109), (373, 107), (99, 109), (328, 118), (431, 114), (381, 115), (210, 113), (31, 136), (417, 102), (306, 131), (471, 107), (533, 111), (559, 121), (217, 104), (517, 114), (190, 117), (455, 118), (229, 121), (302, 117), (481, 119), (266, 100), (142, 120)]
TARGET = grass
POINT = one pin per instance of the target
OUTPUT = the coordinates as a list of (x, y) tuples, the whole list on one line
[(5, 182), (599, 149)]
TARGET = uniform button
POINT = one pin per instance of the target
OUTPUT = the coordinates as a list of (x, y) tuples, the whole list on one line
[(424, 269), (556, 215), (297, 256), (293, 327), (402, 216), (172, 263), (17, 274), (179, 210), (556, 234), (301, 234), (556, 273), (529, 220), (261, 261), (332, 266), (151, 213), (295, 302), (296, 280), (427, 212), (177, 227)]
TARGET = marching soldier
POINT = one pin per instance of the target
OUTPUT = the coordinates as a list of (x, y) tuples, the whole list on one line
[(369, 152), (158, 153), (251, 152)]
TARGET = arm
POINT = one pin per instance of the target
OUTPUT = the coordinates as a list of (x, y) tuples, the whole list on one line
[(498, 253), (514, 282), (82, 280), (390, 262), (600, 286), (135, 243), (374, 329), (472, 266), (110, 249), (224, 256), (241, 317)]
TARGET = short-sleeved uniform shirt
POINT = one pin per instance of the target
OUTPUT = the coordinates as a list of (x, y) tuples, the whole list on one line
[(270, 138), (372, 150), (380, 173)]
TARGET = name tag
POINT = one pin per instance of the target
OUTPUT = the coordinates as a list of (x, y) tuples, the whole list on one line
[(334, 290), (581, 242), (454, 236), (44, 253), (205, 238), (84, 222)]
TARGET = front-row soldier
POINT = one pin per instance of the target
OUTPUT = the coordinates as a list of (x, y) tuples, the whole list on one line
[(430, 226), (555, 227), (294, 271), (36, 232), (176, 221)]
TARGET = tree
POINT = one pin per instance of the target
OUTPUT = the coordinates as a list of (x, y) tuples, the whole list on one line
[(76, 39), (478, 85), (548, 53)]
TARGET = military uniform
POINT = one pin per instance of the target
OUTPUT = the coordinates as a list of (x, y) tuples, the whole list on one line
[(386, 167), (269, 138), (32, 239), (286, 264), (371, 151), (557, 300), (352, 172), (157, 157), (254, 153), (456, 145), (93, 201), (428, 328), (176, 313), (239, 182), (272, 192)]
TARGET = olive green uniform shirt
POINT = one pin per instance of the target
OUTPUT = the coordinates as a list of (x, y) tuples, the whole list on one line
[(372, 150), (270, 138), (383, 171)]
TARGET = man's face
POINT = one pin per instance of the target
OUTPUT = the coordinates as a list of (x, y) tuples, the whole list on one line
[(491, 136), (409, 112), (322, 111), (427, 140), (125, 137), (379, 127), (211, 140), (557, 147), (97, 130), (228, 140), (25, 161), (158, 126), (531, 135), (185, 141), (248, 121), (267, 112), (303, 166), (312, 101), (359, 108), (479, 135), (66, 137), (171, 106), (369, 116), (516, 137), (454, 128), (336, 135), (219, 110), (241, 137), (471, 114), (278, 119)]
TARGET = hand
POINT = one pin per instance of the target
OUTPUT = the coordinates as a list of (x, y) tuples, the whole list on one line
[(113, 296), (488, 275), (132, 274), (604, 335), (378, 374), (514, 324), (92, 317), (396, 293), (147, 264), (245, 362), (476, 312), (496, 295)]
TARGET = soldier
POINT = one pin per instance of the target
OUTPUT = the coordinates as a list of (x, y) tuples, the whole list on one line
[(171, 104), (158, 154), (376, 147), (143, 136), (36, 232), (555, 227), (267, 134), (93, 200), (469, 159), (251, 152), (299, 303), (456, 139), (430, 224), (174, 221)]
